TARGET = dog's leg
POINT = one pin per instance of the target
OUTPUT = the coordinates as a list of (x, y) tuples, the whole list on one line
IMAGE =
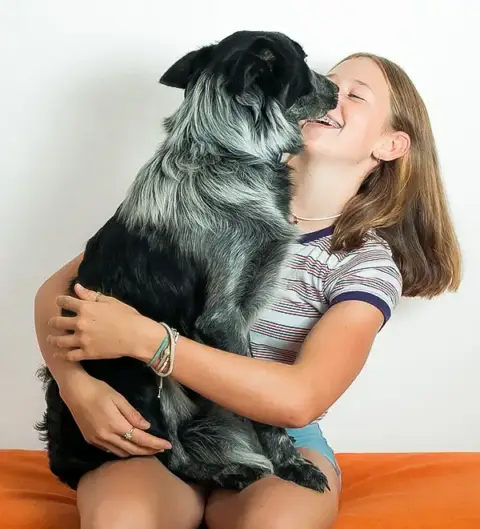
[(222, 323), (264, 271), (277, 445), (238, 288), (238, 292), (288, 463)]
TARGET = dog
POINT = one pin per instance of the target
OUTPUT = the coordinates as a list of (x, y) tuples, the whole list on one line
[(198, 243)]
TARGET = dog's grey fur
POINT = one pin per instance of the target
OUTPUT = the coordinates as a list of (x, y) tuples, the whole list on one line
[(218, 191)]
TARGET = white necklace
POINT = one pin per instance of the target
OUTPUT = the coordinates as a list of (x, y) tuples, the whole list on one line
[(296, 218)]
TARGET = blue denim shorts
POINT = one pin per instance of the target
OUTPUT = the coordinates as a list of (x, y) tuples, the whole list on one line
[(311, 437)]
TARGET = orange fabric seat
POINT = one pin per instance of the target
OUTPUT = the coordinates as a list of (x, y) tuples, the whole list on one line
[(380, 491)]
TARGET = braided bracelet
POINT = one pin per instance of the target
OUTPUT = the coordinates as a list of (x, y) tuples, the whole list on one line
[(159, 352), (165, 355), (173, 337)]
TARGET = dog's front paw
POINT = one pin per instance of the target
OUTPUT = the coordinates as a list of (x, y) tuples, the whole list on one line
[(305, 474)]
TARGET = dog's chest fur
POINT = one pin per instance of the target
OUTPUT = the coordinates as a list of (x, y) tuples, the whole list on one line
[(176, 269)]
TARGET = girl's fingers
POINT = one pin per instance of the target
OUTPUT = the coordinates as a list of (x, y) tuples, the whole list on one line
[(133, 418), (76, 355), (64, 342), (150, 442), (111, 448), (91, 295), (130, 414), (69, 303), (63, 323), (131, 447)]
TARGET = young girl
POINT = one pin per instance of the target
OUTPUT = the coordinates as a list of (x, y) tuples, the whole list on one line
[(369, 199)]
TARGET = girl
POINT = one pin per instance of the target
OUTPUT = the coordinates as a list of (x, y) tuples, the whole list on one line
[(369, 199)]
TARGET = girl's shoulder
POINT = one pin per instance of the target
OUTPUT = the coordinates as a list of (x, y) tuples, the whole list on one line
[(367, 273), (316, 247)]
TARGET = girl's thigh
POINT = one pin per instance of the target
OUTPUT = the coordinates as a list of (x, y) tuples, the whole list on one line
[(272, 503), (138, 493)]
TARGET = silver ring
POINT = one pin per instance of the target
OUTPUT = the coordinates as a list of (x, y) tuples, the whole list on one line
[(98, 295), (128, 436)]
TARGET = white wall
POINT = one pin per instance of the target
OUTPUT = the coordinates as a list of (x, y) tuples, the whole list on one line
[(82, 110)]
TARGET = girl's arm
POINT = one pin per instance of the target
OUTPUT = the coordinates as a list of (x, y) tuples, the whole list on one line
[(45, 307), (101, 413), (265, 391), (268, 392), (280, 394)]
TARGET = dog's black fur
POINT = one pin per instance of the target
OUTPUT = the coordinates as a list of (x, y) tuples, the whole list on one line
[(198, 243)]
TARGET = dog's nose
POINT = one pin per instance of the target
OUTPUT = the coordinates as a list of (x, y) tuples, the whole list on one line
[(334, 88), (333, 91), (327, 86)]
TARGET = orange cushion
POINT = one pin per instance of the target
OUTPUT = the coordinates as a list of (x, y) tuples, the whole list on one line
[(410, 491), (380, 491)]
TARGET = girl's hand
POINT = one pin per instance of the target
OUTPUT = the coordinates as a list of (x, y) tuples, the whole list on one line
[(103, 327), (104, 416)]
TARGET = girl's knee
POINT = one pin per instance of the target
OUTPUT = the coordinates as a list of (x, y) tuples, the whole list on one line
[(135, 514), (121, 515), (286, 516), (138, 493), (273, 504)]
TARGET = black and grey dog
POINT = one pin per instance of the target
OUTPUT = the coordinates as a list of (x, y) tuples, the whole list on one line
[(198, 243)]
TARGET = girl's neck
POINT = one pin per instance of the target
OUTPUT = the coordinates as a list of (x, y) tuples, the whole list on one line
[(321, 190)]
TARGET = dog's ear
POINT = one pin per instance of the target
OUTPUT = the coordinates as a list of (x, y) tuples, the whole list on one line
[(278, 68), (187, 68)]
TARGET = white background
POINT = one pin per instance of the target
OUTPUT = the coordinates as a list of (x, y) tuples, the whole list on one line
[(81, 110)]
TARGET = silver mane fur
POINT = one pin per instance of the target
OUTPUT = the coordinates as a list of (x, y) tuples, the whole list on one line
[(194, 174)]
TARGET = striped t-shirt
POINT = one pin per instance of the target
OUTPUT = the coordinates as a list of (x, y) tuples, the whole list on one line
[(313, 280)]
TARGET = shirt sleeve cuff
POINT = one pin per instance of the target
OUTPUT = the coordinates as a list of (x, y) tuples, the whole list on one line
[(377, 302)]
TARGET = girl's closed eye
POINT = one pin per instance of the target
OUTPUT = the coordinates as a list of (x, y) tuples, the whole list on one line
[(356, 96)]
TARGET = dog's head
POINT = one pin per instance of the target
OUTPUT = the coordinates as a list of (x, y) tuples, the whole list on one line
[(260, 71)]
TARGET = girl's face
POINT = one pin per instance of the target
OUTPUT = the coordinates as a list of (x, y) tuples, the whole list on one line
[(360, 120)]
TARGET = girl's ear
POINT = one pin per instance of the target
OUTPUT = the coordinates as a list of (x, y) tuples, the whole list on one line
[(392, 146)]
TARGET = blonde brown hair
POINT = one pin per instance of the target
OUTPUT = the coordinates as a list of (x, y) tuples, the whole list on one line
[(404, 199)]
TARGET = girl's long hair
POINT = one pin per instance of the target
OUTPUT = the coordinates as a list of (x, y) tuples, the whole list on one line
[(404, 199)]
